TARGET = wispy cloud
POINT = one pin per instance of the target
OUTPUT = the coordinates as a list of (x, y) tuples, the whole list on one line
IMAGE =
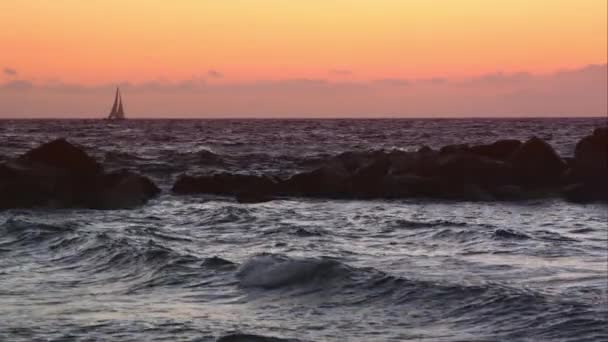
[(580, 91), (17, 85), (10, 71), (214, 74), (396, 82)]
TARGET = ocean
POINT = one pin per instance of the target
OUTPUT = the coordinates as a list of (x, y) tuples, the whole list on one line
[(203, 268)]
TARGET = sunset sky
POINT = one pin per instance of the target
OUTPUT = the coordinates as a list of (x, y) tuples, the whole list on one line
[(198, 58)]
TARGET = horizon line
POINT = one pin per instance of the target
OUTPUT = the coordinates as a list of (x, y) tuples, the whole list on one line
[(601, 116)]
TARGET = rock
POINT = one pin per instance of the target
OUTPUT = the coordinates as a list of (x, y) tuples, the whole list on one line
[(330, 180), (500, 150), (409, 185), (62, 155), (589, 169), (536, 164), (508, 192), (469, 168), (123, 190), (366, 181), (459, 148), (352, 161), (425, 149), (224, 184), (422, 163), (60, 175), (19, 191), (584, 193), (591, 157), (247, 197)]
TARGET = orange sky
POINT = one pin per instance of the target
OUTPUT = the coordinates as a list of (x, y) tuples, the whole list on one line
[(136, 40), (237, 57)]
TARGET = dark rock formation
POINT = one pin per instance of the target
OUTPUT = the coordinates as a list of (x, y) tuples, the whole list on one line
[(504, 170), (123, 189), (62, 155), (224, 184), (247, 197), (591, 156), (61, 175), (500, 150), (459, 148), (468, 168), (327, 181), (590, 168), (536, 163)]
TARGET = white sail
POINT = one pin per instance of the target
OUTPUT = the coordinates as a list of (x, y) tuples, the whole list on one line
[(117, 112), (120, 113)]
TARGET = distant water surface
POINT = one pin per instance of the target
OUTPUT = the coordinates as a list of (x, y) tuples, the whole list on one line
[(195, 268)]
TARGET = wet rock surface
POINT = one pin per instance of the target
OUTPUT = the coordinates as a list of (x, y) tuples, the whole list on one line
[(504, 170), (59, 174)]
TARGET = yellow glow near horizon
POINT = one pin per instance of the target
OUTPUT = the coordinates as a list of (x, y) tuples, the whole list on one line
[(137, 40)]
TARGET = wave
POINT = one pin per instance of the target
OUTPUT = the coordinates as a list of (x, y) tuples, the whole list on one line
[(276, 270), (510, 234), (486, 304), (16, 232), (240, 337), (428, 224), (216, 262)]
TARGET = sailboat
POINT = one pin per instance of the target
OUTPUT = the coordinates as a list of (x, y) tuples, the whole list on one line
[(117, 112)]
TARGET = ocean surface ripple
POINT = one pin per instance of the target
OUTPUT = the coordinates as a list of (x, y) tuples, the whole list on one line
[(206, 268)]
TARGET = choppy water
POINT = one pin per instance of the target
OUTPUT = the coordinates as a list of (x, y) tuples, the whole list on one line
[(196, 268)]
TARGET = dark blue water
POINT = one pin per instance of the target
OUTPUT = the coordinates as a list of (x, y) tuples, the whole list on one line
[(195, 268)]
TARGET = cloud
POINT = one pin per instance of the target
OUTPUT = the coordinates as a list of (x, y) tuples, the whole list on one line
[(398, 82), (10, 71), (574, 92), (433, 80), (18, 85), (500, 78), (214, 74)]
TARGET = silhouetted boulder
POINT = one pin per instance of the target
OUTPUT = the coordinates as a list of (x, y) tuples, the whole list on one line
[(331, 180), (250, 197), (122, 190), (60, 175), (591, 156), (352, 161), (224, 184), (507, 192), (536, 163), (468, 168), (501, 149), (458, 148), (62, 155), (425, 149), (367, 180), (409, 185), (504, 170), (423, 162), (584, 193), (17, 190), (589, 169)]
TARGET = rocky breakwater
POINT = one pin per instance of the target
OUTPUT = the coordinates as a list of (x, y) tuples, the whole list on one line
[(503, 170), (60, 175)]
